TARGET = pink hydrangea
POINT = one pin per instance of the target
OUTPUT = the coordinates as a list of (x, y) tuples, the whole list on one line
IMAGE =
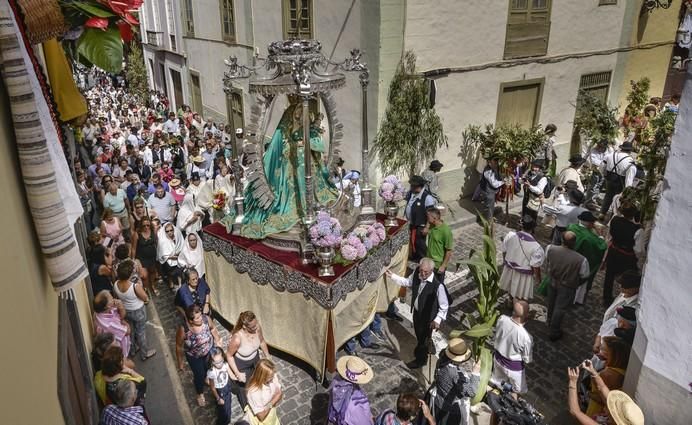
[(349, 252), (326, 231), (391, 189)]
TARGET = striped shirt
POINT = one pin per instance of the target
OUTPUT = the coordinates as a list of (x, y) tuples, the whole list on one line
[(114, 415)]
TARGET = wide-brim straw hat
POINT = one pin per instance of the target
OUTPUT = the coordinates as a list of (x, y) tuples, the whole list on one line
[(623, 409), (457, 350), (354, 369), (174, 183), (197, 158)]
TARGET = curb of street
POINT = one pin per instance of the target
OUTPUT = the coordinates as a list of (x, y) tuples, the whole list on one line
[(180, 399)]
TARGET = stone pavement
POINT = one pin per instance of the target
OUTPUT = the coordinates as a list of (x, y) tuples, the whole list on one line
[(305, 402)]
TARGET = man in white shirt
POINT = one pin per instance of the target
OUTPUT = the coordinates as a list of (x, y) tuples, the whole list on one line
[(429, 305), (133, 139), (619, 171), (534, 182), (571, 172), (513, 346), (171, 126), (629, 282), (565, 214)]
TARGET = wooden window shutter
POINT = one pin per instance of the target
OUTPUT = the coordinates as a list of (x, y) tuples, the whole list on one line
[(528, 28)]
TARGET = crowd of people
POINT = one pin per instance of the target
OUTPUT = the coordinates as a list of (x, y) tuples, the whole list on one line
[(146, 176)]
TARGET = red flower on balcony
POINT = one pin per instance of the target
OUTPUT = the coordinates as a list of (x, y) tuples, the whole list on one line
[(123, 8), (96, 22)]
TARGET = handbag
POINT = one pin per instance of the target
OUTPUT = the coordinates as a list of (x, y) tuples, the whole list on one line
[(543, 286)]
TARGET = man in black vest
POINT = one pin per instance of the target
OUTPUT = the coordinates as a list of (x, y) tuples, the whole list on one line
[(418, 201), (429, 305)]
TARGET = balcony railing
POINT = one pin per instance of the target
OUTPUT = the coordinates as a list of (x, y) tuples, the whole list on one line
[(155, 38)]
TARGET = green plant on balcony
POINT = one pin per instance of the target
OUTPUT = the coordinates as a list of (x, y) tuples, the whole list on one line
[(98, 30)]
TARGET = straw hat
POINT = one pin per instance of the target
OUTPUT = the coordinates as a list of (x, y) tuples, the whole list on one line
[(354, 369), (197, 158), (457, 350), (174, 183), (623, 410)]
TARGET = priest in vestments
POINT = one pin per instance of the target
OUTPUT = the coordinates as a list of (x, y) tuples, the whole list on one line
[(590, 245)]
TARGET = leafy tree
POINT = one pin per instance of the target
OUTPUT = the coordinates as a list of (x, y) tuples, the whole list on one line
[(596, 120), (511, 144), (411, 131), (136, 73)]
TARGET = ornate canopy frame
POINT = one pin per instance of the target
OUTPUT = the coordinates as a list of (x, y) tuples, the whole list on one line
[(296, 68)]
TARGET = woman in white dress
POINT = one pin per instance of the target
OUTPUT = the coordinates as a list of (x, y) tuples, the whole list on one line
[(523, 257), (170, 246)]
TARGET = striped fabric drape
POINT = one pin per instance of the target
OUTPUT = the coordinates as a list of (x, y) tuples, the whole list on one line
[(51, 194)]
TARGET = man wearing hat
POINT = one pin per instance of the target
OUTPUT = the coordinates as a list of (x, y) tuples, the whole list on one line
[(547, 150), (196, 165), (629, 282), (591, 245), (522, 259), (418, 201), (513, 348), (348, 403), (491, 182), (619, 171), (431, 181), (454, 385), (565, 215), (534, 182), (572, 172)]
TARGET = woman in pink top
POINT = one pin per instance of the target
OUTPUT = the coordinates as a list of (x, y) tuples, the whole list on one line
[(109, 316), (111, 227), (263, 395)]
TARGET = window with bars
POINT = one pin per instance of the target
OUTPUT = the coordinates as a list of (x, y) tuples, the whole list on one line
[(596, 85), (297, 18), (227, 20), (528, 28), (188, 18)]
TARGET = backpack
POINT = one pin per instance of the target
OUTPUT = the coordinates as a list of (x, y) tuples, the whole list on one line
[(549, 187), (380, 420)]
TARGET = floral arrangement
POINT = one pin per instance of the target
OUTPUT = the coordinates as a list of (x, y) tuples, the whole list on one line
[(391, 189), (326, 231), (219, 200), (377, 233), (352, 248), (99, 28)]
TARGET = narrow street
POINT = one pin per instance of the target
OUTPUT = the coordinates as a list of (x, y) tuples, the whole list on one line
[(305, 401)]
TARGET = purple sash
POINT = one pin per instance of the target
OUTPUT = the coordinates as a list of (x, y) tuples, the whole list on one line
[(517, 268), (513, 365)]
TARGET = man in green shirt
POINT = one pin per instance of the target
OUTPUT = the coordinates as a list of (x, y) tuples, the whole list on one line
[(440, 242)]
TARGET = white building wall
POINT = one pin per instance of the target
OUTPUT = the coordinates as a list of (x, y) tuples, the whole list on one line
[(449, 33), (260, 22), (660, 369)]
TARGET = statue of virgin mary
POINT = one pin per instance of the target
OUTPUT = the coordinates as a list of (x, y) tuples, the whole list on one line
[(284, 168)]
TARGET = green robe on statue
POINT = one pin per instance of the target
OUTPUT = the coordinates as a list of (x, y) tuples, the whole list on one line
[(284, 168), (591, 246)]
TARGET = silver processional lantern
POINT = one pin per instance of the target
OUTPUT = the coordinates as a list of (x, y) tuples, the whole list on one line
[(298, 68)]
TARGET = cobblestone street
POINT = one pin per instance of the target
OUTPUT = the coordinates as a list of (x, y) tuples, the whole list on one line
[(305, 401)]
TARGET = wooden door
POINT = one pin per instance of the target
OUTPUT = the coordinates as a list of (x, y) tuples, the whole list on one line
[(177, 89), (196, 93), (519, 104)]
